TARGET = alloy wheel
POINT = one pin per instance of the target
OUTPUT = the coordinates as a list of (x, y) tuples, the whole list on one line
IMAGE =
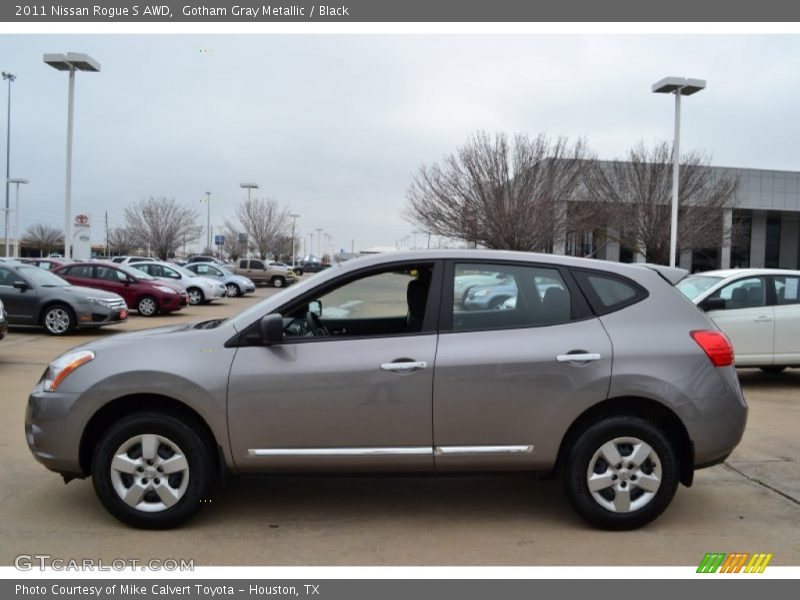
[(624, 475)]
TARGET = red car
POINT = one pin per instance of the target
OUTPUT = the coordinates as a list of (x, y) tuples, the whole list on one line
[(146, 294)]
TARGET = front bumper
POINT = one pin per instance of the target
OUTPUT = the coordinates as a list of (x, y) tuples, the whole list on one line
[(95, 315), (53, 430)]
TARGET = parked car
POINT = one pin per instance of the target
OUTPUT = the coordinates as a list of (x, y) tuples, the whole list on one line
[(201, 290), (148, 295), (371, 367), (758, 309), (34, 296), (464, 283), (46, 263), (310, 266), (489, 296), (259, 272), (129, 260), (203, 258), (3, 321), (235, 285)]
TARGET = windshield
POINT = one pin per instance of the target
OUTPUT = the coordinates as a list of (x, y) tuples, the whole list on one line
[(138, 273), (39, 277), (223, 270), (182, 271), (694, 286)]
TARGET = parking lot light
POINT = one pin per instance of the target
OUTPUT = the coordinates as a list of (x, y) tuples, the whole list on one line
[(17, 182), (72, 61)]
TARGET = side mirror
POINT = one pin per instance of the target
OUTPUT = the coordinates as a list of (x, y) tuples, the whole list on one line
[(269, 331), (21, 286), (712, 304)]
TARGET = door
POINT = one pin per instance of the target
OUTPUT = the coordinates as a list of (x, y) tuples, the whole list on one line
[(508, 378), (787, 320), (20, 305), (748, 320), (353, 396)]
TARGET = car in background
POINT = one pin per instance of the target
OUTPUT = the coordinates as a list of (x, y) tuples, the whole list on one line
[(3, 321), (201, 290), (259, 272), (489, 297), (46, 263), (464, 283), (204, 258), (310, 266), (758, 309), (34, 296), (148, 295), (622, 392), (129, 260), (235, 285)]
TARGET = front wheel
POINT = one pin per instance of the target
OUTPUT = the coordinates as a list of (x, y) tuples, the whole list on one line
[(195, 296), (621, 473), (147, 306), (232, 290), (152, 470), (278, 282), (59, 320)]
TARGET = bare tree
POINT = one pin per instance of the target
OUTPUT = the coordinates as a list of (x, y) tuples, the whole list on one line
[(264, 221), (282, 248), (162, 224), (498, 192), (232, 247), (122, 241), (44, 237), (634, 197)]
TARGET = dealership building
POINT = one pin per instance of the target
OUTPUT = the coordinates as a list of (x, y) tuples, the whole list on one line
[(767, 217)]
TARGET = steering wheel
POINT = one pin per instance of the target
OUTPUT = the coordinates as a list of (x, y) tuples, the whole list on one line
[(315, 324)]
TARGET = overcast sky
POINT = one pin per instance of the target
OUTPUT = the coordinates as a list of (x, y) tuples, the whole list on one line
[(334, 126)]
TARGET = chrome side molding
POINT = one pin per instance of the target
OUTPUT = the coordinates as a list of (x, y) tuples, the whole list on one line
[(390, 451), (465, 450)]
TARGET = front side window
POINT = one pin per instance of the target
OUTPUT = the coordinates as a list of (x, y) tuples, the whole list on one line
[(498, 296), (392, 302), (743, 293), (242, 264)]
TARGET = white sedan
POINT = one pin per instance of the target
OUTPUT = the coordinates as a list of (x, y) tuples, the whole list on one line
[(758, 309)]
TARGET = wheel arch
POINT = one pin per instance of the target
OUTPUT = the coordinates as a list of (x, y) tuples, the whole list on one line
[(646, 408), (102, 419)]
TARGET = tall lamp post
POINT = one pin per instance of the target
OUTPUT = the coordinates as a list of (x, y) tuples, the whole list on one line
[(294, 221), (17, 182), (248, 187), (72, 61), (208, 222), (680, 86), (10, 77), (319, 242)]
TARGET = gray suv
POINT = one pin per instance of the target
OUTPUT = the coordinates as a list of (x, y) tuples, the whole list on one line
[(600, 373)]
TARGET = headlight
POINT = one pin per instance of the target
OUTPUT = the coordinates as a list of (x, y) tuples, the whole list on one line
[(61, 367), (99, 301), (164, 289), (481, 293)]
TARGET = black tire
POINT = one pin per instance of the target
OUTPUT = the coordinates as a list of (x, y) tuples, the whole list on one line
[(278, 281), (196, 293), (232, 287), (588, 444), (59, 319), (147, 306), (182, 432), (298, 272), (773, 370)]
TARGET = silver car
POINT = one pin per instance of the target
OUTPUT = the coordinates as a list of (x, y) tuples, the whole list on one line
[(609, 378), (201, 290)]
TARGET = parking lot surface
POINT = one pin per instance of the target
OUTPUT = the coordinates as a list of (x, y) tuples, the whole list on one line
[(749, 504)]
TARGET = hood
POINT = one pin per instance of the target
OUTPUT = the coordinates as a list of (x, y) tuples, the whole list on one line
[(122, 339), (81, 291)]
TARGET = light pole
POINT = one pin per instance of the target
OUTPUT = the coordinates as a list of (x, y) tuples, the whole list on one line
[(72, 61), (319, 242), (294, 221), (17, 182), (208, 222), (248, 187), (10, 77), (680, 86)]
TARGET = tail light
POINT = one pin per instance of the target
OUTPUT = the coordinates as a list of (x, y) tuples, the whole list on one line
[(716, 346)]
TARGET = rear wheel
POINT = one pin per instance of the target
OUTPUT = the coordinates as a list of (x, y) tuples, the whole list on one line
[(147, 306), (773, 370), (195, 296), (621, 473), (232, 290), (59, 320), (152, 470)]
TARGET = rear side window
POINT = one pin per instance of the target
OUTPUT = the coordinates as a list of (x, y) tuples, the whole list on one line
[(242, 264), (608, 293), (84, 271), (787, 289)]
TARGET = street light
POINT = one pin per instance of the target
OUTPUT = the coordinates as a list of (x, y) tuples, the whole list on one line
[(248, 187), (680, 86), (319, 242), (294, 220), (208, 221), (72, 61), (10, 77), (16, 213)]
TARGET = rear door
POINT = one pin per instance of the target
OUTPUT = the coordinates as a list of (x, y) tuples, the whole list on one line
[(748, 319), (508, 378), (787, 319)]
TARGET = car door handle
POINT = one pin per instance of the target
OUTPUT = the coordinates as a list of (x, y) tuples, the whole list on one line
[(762, 319), (578, 357), (404, 365)]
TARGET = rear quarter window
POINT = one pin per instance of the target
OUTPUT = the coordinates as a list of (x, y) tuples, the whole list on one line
[(607, 292)]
